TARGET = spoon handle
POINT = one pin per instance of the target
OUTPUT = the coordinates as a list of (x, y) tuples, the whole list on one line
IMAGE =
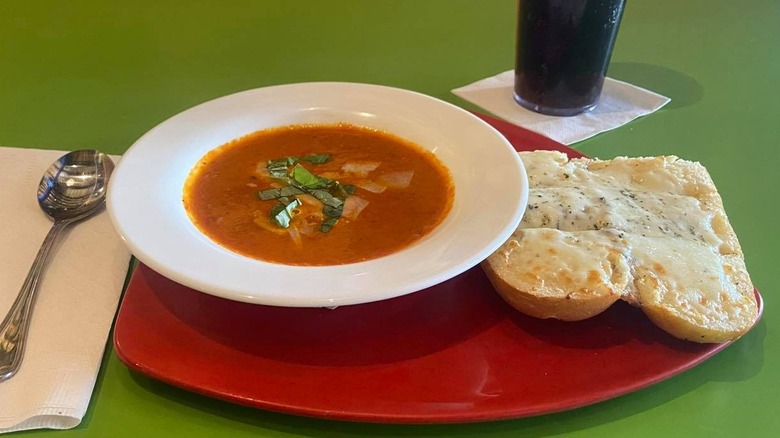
[(13, 330)]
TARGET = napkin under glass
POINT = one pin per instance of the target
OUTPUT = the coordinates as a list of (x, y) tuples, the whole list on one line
[(619, 104), (76, 302)]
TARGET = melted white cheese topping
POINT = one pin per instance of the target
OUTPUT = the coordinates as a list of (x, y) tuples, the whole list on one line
[(598, 207), (663, 231)]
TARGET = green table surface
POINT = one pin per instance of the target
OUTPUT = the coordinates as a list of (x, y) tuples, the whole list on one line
[(99, 74)]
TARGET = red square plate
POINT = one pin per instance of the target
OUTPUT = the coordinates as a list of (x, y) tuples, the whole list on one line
[(451, 353)]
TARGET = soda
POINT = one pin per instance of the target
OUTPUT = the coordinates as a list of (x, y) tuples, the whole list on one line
[(562, 53)]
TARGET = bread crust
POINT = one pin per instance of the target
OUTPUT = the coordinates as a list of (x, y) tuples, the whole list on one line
[(726, 319), (651, 231), (548, 273)]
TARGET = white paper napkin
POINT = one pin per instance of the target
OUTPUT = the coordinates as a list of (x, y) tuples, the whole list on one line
[(620, 103), (77, 299)]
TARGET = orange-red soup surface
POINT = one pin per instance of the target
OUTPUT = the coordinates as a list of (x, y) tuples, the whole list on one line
[(400, 192)]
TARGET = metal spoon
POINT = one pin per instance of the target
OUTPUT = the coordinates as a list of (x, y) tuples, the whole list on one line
[(73, 188)]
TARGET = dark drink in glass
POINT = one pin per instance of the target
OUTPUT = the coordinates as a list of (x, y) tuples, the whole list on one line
[(563, 51)]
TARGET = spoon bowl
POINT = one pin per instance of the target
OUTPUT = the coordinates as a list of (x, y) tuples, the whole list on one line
[(75, 185), (71, 189)]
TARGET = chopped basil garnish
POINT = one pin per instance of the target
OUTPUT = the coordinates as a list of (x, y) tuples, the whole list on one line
[(278, 167), (316, 158), (281, 192), (300, 181), (326, 197), (303, 178), (327, 224), (282, 211)]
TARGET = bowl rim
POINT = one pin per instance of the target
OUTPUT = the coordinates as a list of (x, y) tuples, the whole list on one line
[(148, 178)]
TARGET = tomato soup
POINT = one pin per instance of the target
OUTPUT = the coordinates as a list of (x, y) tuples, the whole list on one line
[(318, 194)]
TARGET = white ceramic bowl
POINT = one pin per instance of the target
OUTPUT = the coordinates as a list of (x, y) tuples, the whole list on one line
[(145, 194)]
